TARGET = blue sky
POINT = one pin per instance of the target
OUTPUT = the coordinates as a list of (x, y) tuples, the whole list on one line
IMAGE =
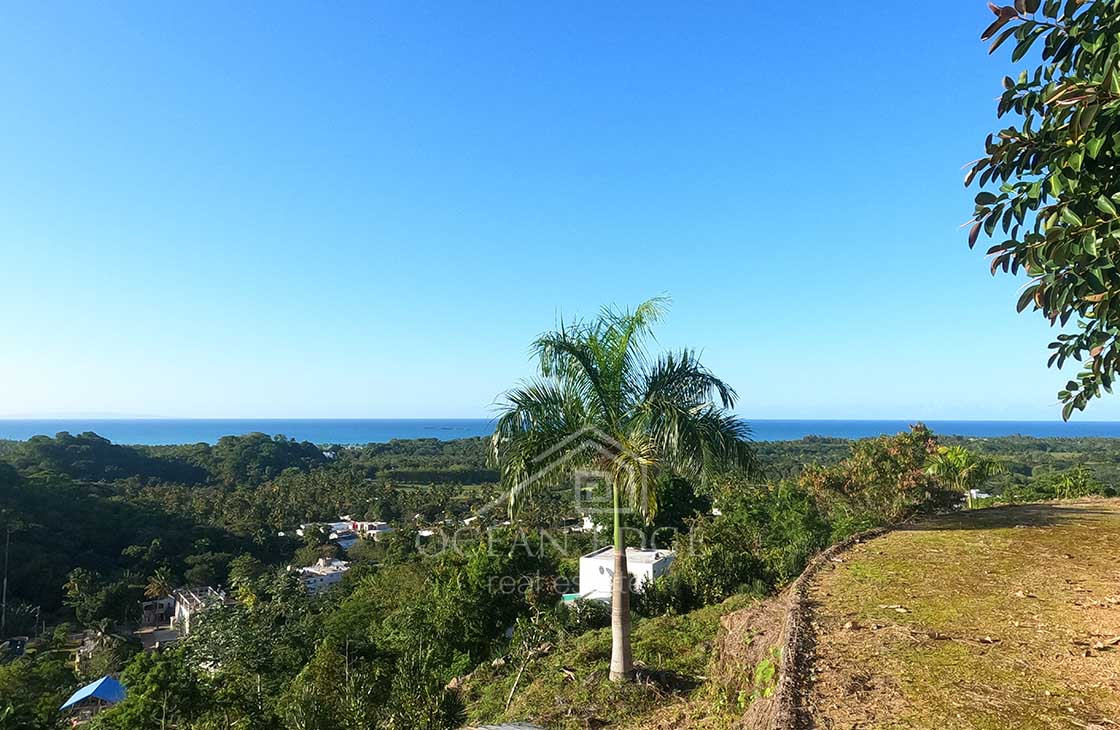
[(369, 210)]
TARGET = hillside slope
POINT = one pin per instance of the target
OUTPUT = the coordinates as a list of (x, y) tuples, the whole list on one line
[(1006, 617), (692, 669)]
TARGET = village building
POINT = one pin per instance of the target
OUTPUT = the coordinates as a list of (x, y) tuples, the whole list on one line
[(346, 526), (326, 572), (92, 699), (375, 529), (596, 571), (189, 602), (157, 612), (345, 539), (164, 620)]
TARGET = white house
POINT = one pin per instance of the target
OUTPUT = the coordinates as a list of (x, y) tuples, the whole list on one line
[(345, 539), (325, 573), (189, 602), (596, 570), (345, 524), (158, 612), (339, 526), (370, 528)]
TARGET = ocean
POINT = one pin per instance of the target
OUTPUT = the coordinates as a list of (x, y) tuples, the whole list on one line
[(155, 431)]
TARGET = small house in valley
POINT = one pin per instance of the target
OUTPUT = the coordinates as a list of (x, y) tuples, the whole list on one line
[(189, 602), (92, 699), (164, 620), (326, 572), (345, 539), (596, 571)]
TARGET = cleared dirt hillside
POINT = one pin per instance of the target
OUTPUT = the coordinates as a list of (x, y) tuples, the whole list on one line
[(1005, 617)]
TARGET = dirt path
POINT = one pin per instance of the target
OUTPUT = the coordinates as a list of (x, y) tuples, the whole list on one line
[(1006, 617)]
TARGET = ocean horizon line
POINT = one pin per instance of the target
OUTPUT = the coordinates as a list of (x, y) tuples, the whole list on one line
[(360, 431), (749, 419)]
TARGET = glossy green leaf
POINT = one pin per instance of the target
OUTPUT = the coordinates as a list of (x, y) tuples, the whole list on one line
[(1089, 243), (1106, 206)]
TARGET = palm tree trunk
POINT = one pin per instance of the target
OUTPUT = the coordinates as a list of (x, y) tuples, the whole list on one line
[(622, 662)]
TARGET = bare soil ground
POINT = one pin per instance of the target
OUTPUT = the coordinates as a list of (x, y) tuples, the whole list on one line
[(1007, 617)]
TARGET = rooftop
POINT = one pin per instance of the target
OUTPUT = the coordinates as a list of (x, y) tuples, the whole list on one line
[(326, 566), (633, 555), (196, 596), (105, 689)]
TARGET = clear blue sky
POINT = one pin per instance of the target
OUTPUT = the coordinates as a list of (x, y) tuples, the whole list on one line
[(370, 209)]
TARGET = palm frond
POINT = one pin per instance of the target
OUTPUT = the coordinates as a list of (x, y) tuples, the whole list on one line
[(962, 468), (624, 334), (569, 356), (697, 441), (681, 377), (633, 470), (536, 420)]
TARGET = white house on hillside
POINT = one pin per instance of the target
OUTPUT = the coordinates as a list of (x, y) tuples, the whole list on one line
[(596, 570), (168, 618), (345, 526), (370, 528), (189, 602), (325, 573)]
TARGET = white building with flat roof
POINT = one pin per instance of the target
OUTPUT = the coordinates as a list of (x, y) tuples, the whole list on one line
[(361, 528), (325, 573), (191, 601), (371, 528), (596, 570)]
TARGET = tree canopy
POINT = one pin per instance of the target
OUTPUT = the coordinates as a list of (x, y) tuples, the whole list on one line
[(1050, 180)]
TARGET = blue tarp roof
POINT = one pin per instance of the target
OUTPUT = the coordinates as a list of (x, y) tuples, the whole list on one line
[(105, 689)]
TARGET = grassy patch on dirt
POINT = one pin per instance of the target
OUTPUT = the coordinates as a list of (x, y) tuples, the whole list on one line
[(569, 686), (1007, 617)]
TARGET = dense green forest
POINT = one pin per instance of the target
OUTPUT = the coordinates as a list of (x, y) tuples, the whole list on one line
[(96, 526)]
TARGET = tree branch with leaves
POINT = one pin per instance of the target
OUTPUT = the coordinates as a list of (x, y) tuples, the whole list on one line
[(1051, 180)]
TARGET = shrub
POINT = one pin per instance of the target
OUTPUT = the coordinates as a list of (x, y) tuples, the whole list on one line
[(577, 617), (1066, 484), (718, 558), (663, 596), (883, 481), (761, 540)]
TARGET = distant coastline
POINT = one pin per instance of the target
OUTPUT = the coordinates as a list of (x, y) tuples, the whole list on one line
[(160, 431)]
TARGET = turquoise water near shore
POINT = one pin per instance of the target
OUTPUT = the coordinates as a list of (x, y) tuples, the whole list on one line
[(155, 431)]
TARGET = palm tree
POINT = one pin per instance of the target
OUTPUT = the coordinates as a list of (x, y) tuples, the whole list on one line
[(962, 470), (160, 584), (104, 633), (643, 417)]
